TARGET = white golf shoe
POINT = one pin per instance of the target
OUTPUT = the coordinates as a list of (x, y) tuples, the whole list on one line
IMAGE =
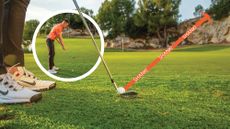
[(56, 68), (52, 71), (27, 79), (11, 92)]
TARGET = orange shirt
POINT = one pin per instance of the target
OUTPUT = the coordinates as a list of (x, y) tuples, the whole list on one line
[(56, 31)]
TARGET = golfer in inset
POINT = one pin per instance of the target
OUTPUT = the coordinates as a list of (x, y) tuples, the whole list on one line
[(55, 34)]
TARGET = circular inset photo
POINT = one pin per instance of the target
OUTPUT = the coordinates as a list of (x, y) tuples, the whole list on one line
[(65, 49)]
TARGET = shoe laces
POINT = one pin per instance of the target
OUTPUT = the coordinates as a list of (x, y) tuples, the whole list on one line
[(10, 83), (28, 74), (25, 72)]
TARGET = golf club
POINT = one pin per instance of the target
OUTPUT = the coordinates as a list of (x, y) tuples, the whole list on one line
[(120, 90)]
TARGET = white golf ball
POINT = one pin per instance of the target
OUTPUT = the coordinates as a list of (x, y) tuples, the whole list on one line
[(121, 90)]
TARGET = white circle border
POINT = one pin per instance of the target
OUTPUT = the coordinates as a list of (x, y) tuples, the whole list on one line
[(56, 77)]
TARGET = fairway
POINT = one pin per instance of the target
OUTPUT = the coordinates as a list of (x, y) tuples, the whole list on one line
[(190, 88), (80, 56)]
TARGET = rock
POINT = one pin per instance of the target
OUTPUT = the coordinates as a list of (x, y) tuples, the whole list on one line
[(214, 40), (143, 41), (109, 44), (216, 33), (153, 43), (228, 38), (136, 45)]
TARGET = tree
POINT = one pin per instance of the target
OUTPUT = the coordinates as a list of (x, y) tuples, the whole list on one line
[(87, 11), (104, 16), (198, 9), (156, 16), (219, 9), (52, 21), (29, 29), (114, 16), (75, 21)]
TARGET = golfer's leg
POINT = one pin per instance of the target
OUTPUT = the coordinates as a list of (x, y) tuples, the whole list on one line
[(49, 45), (13, 30), (2, 68), (53, 56)]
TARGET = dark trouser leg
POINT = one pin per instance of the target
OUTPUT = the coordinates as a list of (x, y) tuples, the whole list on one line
[(50, 45), (14, 20), (2, 67)]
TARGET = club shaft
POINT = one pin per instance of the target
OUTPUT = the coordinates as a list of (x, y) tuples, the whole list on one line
[(95, 44)]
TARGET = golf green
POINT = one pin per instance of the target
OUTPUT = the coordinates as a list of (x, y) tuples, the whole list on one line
[(190, 88), (78, 58)]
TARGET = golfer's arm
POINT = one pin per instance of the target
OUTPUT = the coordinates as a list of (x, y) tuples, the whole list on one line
[(60, 40)]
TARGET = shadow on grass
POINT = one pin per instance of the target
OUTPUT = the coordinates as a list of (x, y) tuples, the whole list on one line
[(84, 109), (6, 117), (72, 72), (203, 48), (192, 48), (93, 108)]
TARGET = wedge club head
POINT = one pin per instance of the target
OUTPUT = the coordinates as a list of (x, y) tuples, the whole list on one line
[(126, 94)]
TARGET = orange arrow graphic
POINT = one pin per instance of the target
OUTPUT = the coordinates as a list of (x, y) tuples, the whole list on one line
[(204, 19)]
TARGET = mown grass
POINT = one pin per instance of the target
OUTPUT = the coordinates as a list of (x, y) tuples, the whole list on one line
[(78, 58), (188, 89)]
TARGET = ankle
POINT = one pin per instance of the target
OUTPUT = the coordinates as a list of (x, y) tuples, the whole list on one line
[(12, 70)]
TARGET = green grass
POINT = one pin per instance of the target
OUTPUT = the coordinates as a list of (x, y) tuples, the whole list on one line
[(78, 59), (188, 89)]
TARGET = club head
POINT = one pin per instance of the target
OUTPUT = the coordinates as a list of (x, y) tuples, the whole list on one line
[(129, 94)]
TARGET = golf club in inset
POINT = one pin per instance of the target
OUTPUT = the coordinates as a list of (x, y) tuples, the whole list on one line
[(120, 90)]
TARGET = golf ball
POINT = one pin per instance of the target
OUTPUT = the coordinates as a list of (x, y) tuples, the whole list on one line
[(120, 90)]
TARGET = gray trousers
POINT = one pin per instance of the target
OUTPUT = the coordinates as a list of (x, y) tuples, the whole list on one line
[(12, 19)]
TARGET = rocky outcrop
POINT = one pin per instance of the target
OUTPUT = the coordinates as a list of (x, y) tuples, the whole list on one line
[(129, 43), (75, 33), (217, 32)]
